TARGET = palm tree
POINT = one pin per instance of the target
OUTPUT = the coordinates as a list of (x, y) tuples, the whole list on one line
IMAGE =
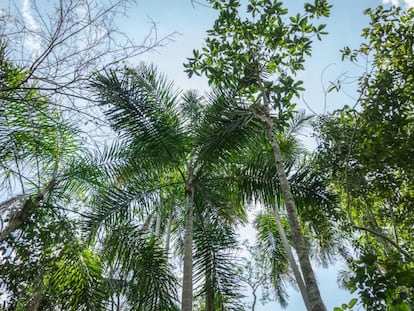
[(178, 145), (317, 217), (259, 181), (259, 52)]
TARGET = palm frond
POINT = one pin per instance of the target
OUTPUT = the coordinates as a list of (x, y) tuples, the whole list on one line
[(138, 257), (35, 142), (257, 178), (142, 107), (298, 123), (221, 196), (215, 261), (318, 209), (226, 127), (78, 281), (49, 263), (274, 254), (129, 184), (192, 106), (113, 207)]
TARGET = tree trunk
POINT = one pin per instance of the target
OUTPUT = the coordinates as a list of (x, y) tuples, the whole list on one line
[(209, 295), (17, 218), (187, 292), (118, 302), (35, 303), (147, 222), (158, 223), (38, 295), (254, 298), (292, 261), (168, 234), (315, 298)]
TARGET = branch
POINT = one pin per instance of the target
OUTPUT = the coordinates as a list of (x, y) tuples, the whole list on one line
[(19, 216), (6, 204), (386, 238)]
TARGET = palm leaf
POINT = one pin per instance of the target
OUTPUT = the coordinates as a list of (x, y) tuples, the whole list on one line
[(77, 281), (141, 106), (138, 257), (226, 127), (318, 211), (215, 243), (273, 253)]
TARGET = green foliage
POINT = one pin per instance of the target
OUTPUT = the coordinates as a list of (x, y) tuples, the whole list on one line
[(45, 258), (227, 127), (77, 280), (317, 209), (272, 255), (388, 289), (35, 139), (259, 53), (348, 306), (10, 75), (41, 158), (143, 107), (366, 152), (215, 260), (142, 268)]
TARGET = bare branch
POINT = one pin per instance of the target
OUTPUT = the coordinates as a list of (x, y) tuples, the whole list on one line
[(73, 40)]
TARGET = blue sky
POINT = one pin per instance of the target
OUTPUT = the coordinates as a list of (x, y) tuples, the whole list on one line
[(344, 25)]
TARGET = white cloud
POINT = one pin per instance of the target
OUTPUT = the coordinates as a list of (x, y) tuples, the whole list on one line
[(32, 41), (394, 2), (407, 3), (27, 15)]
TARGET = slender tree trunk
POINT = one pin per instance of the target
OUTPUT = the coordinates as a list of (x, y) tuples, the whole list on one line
[(187, 292), (35, 303), (168, 233), (158, 223), (254, 298), (38, 295), (209, 295), (292, 261), (147, 222), (315, 298)]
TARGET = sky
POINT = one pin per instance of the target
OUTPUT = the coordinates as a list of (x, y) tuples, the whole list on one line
[(190, 21)]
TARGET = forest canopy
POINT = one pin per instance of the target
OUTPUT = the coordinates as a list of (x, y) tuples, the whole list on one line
[(120, 190)]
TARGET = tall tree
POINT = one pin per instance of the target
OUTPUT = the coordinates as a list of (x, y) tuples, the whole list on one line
[(316, 207), (166, 149), (258, 56), (366, 151)]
